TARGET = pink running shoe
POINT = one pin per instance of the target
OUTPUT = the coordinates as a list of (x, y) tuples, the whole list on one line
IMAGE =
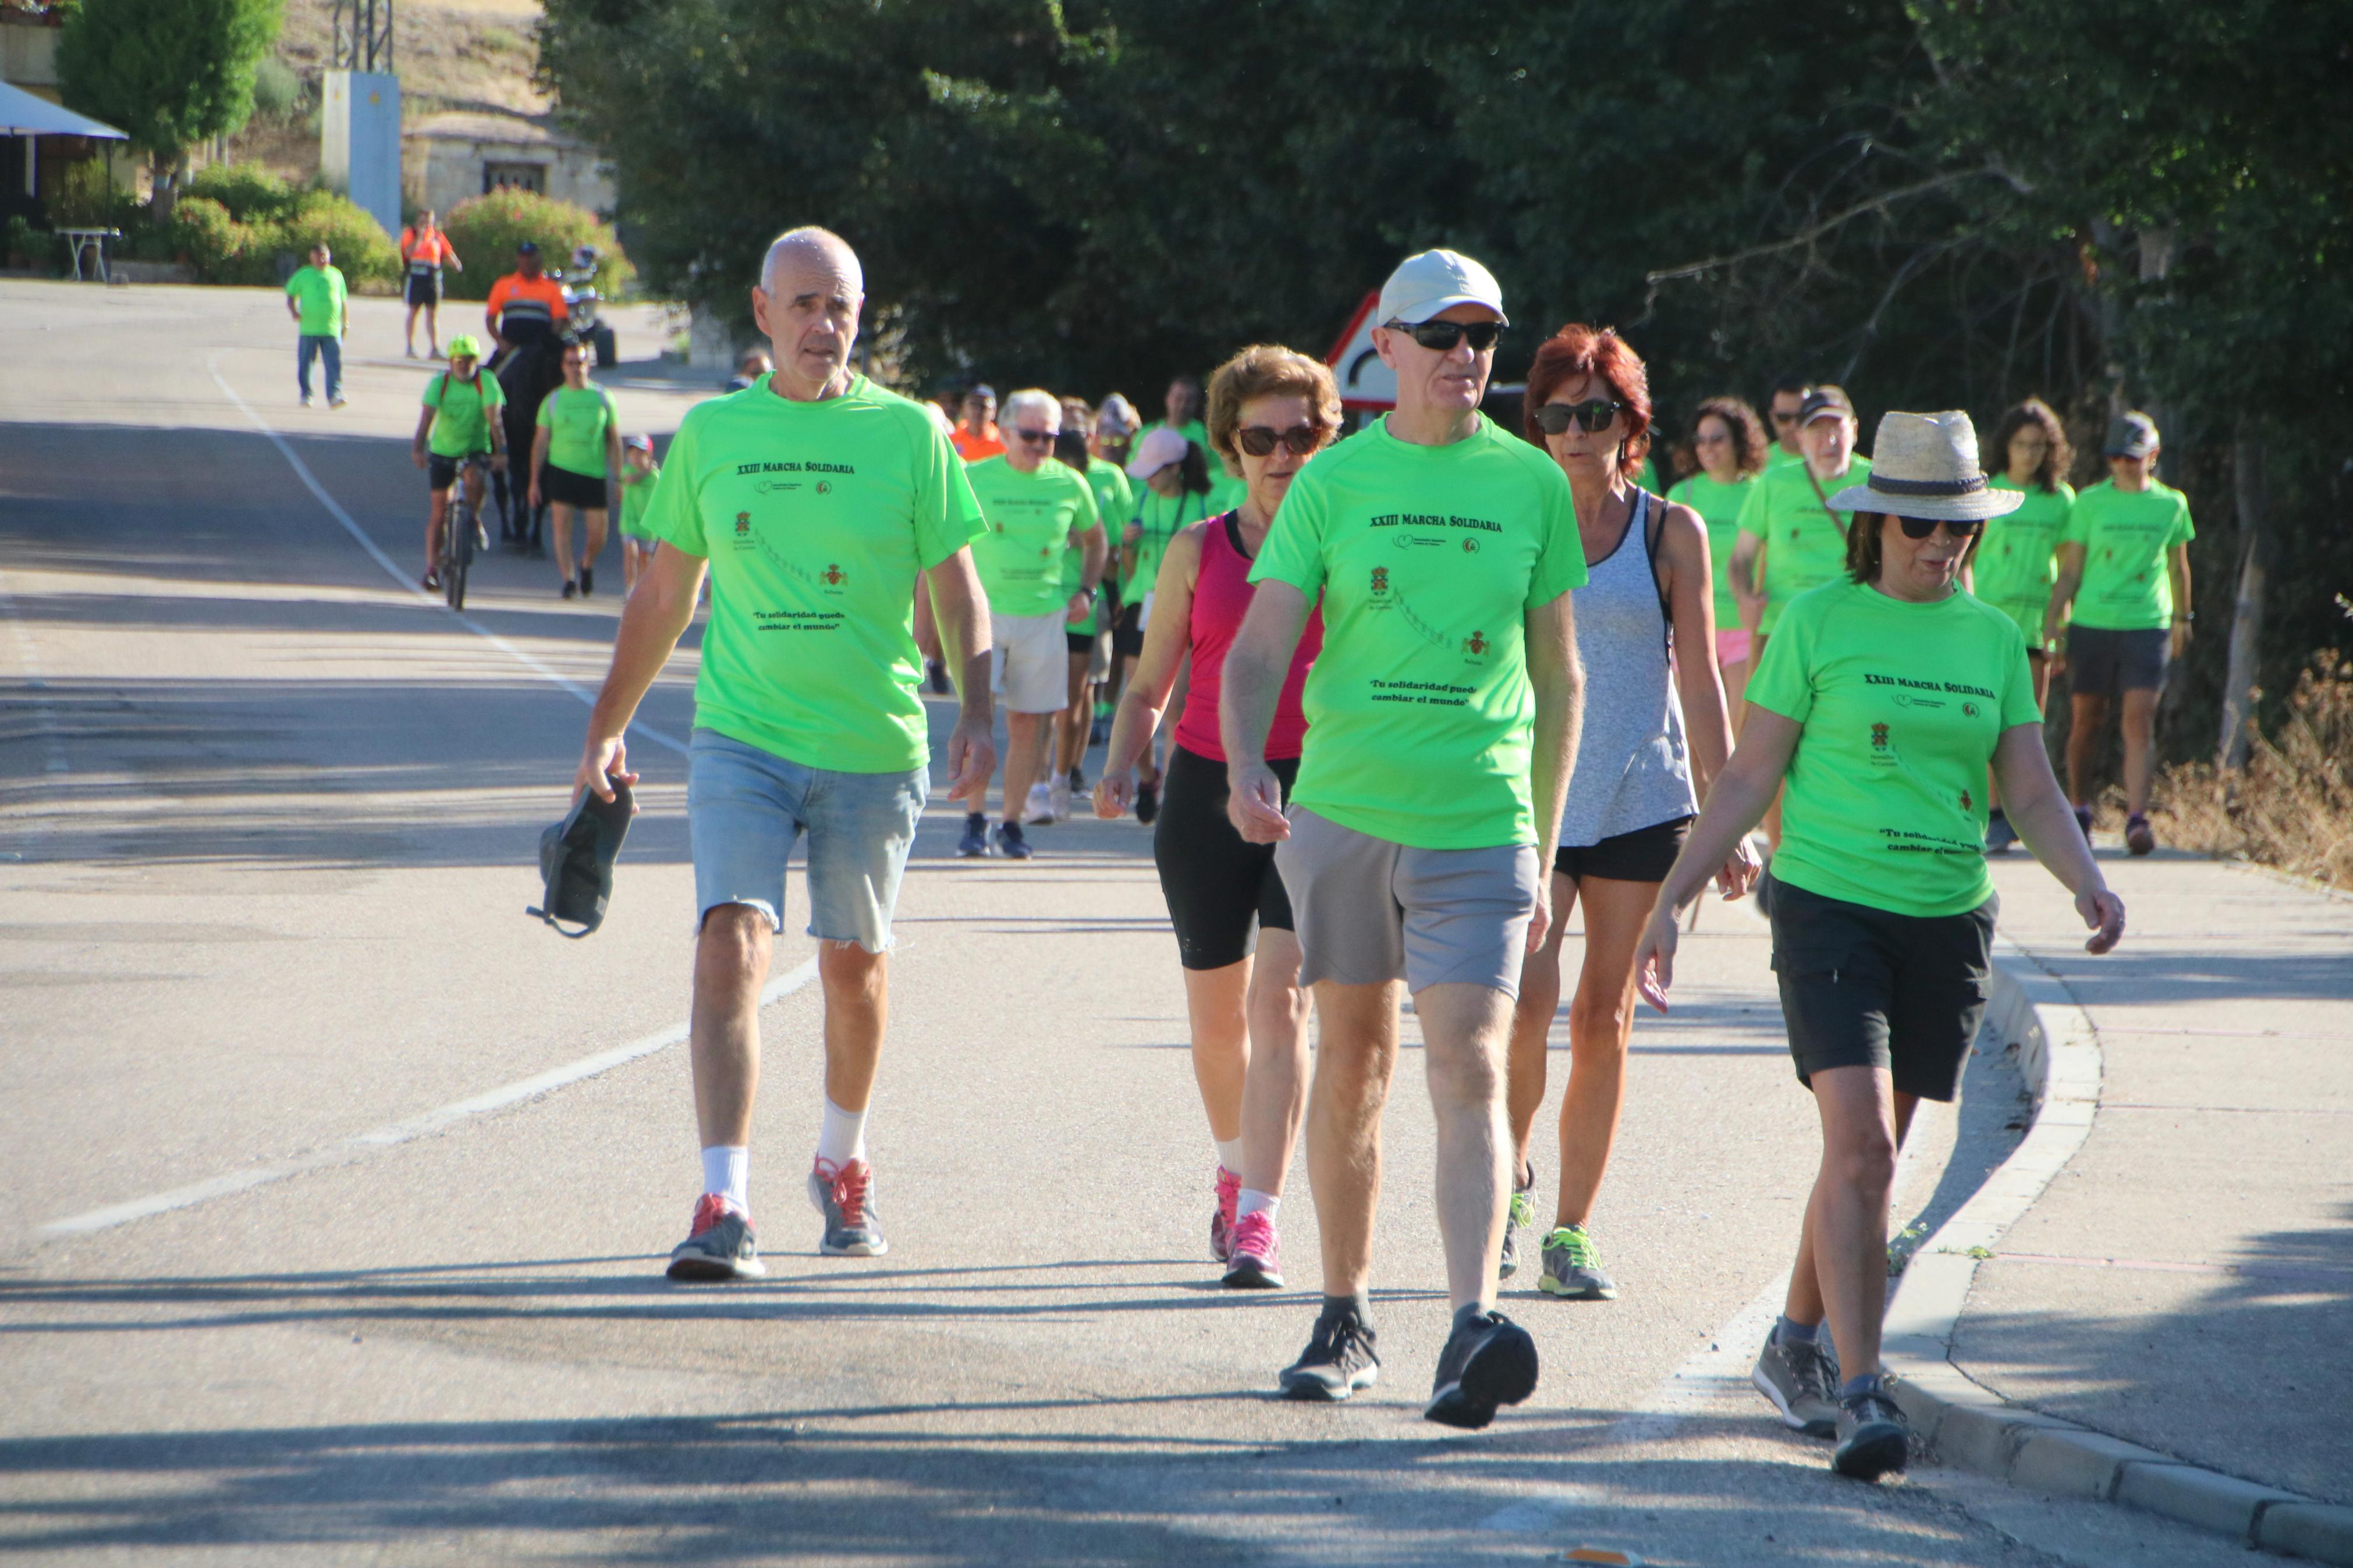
[(1256, 1260), (1222, 1223)]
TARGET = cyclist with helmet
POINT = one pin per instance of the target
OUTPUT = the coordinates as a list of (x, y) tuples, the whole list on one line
[(460, 420)]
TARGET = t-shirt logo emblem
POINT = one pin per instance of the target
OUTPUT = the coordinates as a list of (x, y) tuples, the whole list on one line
[(825, 487), (1380, 580), (1968, 711), (1470, 547), (1967, 803), (1475, 645), (743, 523), (833, 575), (1879, 737)]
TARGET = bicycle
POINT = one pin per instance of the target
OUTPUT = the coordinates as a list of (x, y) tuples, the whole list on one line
[(460, 537)]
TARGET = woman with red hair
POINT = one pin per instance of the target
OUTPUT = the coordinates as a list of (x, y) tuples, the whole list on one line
[(1646, 636)]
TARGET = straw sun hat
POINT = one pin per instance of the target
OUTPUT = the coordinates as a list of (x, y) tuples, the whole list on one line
[(1925, 466)]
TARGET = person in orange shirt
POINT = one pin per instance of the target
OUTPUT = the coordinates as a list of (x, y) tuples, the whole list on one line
[(425, 250), (526, 314), (976, 435)]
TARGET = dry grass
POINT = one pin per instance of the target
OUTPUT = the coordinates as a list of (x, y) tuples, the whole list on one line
[(2292, 806)]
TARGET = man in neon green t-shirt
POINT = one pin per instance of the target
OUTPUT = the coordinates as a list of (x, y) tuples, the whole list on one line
[(1033, 510), (575, 452), (817, 502), (2123, 568), (1441, 721), (316, 298), (1789, 395), (460, 418)]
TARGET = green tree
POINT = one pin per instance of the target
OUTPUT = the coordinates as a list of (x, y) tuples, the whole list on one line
[(169, 73)]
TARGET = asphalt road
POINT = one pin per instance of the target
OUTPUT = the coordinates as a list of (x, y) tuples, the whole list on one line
[(292, 1271)]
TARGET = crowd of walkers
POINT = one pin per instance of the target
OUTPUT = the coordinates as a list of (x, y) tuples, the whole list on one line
[(1395, 703)]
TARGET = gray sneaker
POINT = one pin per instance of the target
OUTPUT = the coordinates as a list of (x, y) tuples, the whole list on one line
[(1521, 1212), (1801, 1380), (1339, 1360), (844, 1194), (1872, 1436), (1488, 1361), (1572, 1268), (719, 1244)]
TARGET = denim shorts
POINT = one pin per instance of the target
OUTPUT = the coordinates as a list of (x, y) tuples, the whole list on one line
[(745, 807)]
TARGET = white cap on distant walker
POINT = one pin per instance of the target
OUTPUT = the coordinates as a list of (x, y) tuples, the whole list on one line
[(1432, 281), (1155, 452)]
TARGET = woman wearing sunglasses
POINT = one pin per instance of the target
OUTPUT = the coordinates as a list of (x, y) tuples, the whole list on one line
[(1879, 703), (1631, 796), (1729, 441), (1271, 409)]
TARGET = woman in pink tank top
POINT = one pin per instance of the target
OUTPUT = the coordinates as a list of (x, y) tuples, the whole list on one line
[(1271, 409)]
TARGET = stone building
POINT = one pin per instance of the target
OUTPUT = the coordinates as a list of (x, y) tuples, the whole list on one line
[(450, 156)]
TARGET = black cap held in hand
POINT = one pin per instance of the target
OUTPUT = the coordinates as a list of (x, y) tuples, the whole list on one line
[(575, 859)]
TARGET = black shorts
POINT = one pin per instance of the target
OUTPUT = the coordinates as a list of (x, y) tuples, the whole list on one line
[(2101, 663), (1644, 855), (1865, 987), (1082, 644), (441, 472), (425, 287), (566, 488), (1221, 887), (1127, 632)]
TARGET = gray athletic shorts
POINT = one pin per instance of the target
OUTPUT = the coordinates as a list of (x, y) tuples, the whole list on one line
[(1368, 911)]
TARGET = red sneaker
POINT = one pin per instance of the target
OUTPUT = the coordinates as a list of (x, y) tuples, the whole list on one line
[(1257, 1261)]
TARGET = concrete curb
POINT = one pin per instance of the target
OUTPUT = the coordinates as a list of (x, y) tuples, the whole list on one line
[(1965, 1425)]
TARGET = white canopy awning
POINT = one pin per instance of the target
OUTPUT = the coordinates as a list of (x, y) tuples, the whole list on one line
[(22, 114)]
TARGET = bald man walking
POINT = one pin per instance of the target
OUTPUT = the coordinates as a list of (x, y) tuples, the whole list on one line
[(814, 500)]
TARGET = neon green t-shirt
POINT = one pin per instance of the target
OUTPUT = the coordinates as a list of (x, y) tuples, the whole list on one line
[(1193, 430), (1030, 519), (1163, 517), (1420, 721), (637, 495), (461, 421), (1803, 547), (1227, 490), (1885, 803), (816, 518), (1114, 504), (576, 421), (2018, 559), (1718, 506), (1776, 456), (2126, 536), (320, 296)]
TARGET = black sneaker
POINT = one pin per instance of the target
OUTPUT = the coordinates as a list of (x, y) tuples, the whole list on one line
[(1339, 1360), (1488, 1361), (2139, 839), (1872, 1436), (570, 587), (938, 673), (587, 581), (1147, 803), (2083, 821), (1006, 841), (973, 845), (1999, 833)]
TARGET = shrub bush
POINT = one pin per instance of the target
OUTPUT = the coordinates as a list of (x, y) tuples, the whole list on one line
[(218, 246), (368, 255), (275, 89), (486, 230), (251, 192)]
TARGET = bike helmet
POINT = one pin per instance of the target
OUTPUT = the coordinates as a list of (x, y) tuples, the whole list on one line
[(464, 347)]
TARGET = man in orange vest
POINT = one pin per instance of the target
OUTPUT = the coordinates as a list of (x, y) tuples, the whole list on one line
[(425, 250), (526, 314)]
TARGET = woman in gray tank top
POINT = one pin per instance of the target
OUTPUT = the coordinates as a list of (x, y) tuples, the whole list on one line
[(1635, 788)]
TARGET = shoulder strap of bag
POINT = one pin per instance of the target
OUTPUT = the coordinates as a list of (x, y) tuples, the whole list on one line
[(1822, 497)]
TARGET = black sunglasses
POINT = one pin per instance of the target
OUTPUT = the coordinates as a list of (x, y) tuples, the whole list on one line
[(1779, 417), (1595, 414), (1301, 440), (1922, 527), (1034, 435), (1439, 336)]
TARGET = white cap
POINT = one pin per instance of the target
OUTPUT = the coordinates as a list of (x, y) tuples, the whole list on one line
[(1155, 452), (1426, 284)]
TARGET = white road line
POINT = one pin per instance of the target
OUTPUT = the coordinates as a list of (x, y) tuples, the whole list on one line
[(45, 718), (335, 511), (360, 1145)]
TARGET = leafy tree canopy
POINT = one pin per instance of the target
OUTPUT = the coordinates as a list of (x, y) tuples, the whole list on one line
[(168, 73)]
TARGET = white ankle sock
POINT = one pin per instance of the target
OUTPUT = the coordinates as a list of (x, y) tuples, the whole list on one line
[(727, 1172), (1229, 1153), (841, 1138), (1252, 1202)]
